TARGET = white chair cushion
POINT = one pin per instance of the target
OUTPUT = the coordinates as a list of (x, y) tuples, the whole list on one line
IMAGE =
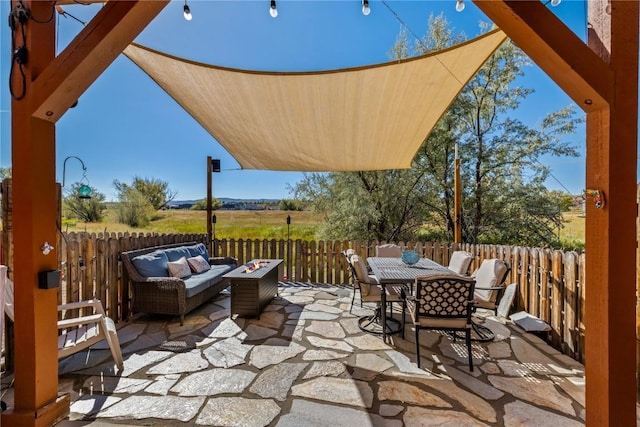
[(460, 261), (361, 270), (487, 276)]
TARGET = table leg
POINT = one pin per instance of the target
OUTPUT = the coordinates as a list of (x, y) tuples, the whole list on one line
[(383, 311)]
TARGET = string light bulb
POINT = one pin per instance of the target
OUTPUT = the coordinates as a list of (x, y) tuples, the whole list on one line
[(554, 3), (272, 9), (459, 5), (187, 12), (366, 10)]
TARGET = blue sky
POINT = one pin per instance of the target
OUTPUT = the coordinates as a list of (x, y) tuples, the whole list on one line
[(126, 126)]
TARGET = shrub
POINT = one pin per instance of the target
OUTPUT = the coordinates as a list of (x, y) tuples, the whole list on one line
[(201, 204), (289, 205), (157, 192), (86, 210), (134, 209)]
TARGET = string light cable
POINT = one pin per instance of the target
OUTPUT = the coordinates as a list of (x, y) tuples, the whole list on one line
[(418, 41), (18, 17), (393, 12), (64, 13)]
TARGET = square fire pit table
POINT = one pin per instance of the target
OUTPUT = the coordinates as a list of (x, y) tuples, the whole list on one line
[(253, 286)]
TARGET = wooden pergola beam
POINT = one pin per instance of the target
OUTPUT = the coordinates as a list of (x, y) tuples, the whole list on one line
[(75, 2), (89, 54), (582, 74)]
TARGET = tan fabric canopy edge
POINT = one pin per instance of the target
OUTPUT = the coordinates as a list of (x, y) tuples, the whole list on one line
[(366, 118)]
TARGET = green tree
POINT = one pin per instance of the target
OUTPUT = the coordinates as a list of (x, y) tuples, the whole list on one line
[(289, 205), (5, 173), (134, 208), (157, 192), (501, 175), (564, 200), (500, 153), (86, 210), (201, 205)]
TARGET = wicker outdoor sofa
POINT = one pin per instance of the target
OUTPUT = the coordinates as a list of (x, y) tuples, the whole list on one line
[(156, 291)]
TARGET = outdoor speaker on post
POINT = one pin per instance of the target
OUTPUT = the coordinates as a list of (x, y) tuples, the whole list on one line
[(48, 279), (215, 165)]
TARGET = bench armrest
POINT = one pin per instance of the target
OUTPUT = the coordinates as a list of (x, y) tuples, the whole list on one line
[(77, 321), (95, 303)]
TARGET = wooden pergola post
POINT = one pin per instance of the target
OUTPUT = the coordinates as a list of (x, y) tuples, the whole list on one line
[(34, 193), (610, 353), (457, 199), (209, 207), (44, 87), (607, 89)]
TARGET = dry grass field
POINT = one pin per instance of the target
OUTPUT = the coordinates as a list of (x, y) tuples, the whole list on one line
[(270, 224), (574, 223)]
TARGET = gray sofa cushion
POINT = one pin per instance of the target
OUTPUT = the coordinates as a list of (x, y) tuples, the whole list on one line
[(199, 282), (153, 264), (199, 249), (174, 254)]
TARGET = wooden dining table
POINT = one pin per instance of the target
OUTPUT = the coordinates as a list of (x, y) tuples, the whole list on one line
[(393, 271)]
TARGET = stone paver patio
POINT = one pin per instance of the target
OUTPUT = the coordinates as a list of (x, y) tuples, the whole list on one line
[(305, 363)]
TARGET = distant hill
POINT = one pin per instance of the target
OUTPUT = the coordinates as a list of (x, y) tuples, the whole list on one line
[(230, 200), (231, 204)]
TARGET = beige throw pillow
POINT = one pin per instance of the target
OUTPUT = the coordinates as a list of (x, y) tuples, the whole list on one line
[(179, 268), (198, 264)]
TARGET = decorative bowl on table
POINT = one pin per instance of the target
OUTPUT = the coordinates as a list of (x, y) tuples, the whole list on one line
[(410, 257)]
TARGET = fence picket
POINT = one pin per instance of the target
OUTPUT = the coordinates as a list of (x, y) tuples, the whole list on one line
[(545, 268), (556, 298), (313, 262), (534, 283), (570, 302), (582, 262), (524, 275), (73, 277)]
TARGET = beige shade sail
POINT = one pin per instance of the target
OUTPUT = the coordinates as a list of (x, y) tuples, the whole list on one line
[(366, 118)]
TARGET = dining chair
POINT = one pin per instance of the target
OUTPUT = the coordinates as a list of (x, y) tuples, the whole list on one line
[(389, 250), (371, 291), (490, 286), (490, 283), (443, 302), (460, 262), (352, 273)]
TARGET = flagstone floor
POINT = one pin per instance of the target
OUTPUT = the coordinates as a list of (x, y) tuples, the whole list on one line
[(305, 363)]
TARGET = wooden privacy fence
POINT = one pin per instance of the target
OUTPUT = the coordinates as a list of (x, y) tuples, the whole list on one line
[(550, 283)]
